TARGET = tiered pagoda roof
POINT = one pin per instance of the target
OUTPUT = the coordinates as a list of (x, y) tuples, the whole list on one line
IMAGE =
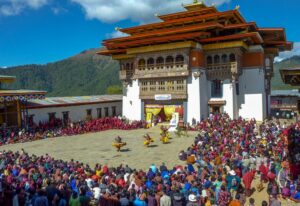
[(202, 24)]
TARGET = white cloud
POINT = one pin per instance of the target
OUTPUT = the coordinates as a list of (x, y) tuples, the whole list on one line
[(59, 10), (15, 7), (116, 34), (136, 10), (288, 54)]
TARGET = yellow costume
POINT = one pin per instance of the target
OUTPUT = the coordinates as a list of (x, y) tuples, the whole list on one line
[(118, 146), (164, 139), (147, 142), (164, 135)]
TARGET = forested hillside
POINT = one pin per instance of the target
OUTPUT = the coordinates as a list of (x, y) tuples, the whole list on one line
[(83, 74)]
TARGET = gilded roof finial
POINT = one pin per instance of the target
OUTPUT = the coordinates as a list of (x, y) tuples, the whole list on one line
[(237, 7), (117, 28), (195, 1)]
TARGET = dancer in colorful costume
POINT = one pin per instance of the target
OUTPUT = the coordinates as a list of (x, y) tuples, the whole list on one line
[(118, 144), (148, 140)]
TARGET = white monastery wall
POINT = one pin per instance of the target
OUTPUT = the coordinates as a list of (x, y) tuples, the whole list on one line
[(252, 98), (193, 103), (132, 104), (204, 111), (76, 113)]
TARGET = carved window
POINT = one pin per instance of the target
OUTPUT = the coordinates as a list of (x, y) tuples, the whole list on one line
[(142, 64), (150, 62), (152, 85), (224, 58), (170, 85), (179, 60), (216, 59), (216, 89), (160, 62), (232, 58), (169, 60), (209, 60), (145, 86)]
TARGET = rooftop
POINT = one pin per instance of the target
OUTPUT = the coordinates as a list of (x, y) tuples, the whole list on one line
[(73, 101), (293, 92), (7, 79), (201, 24), (291, 76), (11, 95)]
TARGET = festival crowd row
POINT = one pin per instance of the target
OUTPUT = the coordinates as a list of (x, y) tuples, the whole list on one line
[(219, 168), (55, 128)]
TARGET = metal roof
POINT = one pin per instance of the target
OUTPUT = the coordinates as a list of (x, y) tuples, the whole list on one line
[(72, 101)]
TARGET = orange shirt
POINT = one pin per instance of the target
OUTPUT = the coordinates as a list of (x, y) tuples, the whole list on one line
[(235, 203)]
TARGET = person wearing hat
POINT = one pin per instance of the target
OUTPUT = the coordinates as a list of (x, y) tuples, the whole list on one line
[(192, 200)]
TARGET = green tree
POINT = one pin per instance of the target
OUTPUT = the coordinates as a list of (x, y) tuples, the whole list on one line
[(115, 89)]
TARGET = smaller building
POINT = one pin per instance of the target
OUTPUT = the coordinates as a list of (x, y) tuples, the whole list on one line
[(13, 103), (285, 104), (291, 76), (74, 109)]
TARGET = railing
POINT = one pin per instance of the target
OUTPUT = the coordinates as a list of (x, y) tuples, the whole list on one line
[(162, 70), (283, 106), (231, 66), (221, 71), (150, 89)]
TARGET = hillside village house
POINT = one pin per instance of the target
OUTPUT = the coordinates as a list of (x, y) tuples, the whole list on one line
[(195, 62)]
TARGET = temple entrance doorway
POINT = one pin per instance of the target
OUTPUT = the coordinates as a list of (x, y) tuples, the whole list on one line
[(160, 113), (216, 107)]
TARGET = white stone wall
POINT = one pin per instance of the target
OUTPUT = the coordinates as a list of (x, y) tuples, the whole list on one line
[(252, 98), (204, 95), (76, 113), (193, 104), (132, 104)]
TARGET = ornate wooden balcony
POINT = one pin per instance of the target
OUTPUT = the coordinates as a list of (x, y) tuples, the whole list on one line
[(161, 70), (177, 88), (221, 71), (125, 75)]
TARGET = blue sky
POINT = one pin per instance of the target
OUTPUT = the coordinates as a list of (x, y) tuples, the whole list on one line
[(41, 31)]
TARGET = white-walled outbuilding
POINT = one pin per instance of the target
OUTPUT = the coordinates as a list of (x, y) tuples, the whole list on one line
[(74, 108)]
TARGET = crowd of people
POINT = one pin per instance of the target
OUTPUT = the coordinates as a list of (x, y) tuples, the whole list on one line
[(219, 168), (56, 128)]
